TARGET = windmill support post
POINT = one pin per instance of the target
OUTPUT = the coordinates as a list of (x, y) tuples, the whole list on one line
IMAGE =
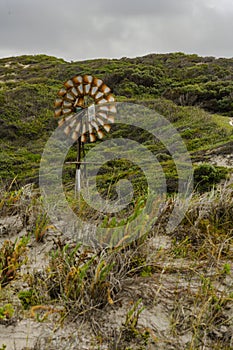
[(78, 170)]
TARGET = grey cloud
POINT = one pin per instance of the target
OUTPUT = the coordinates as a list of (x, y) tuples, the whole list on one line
[(75, 29), (145, 7)]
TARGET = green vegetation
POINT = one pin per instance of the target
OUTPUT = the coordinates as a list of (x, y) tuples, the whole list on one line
[(182, 279), (191, 278), (206, 176), (175, 85), (28, 298), (6, 311)]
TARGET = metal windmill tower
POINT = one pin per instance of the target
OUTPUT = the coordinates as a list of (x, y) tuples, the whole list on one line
[(86, 109)]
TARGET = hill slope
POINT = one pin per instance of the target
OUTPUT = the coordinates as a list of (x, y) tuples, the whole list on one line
[(176, 85)]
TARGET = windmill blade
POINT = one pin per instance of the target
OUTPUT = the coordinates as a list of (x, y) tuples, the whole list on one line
[(58, 112), (67, 130), (87, 79), (102, 100), (111, 118), (97, 82), (109, 107), (100, 134), (83, 138), (95, 125), (68, 84), (67, 104), (87, 89), (80, 89), (93, 91), (58, 102), (107, 127), (78, 79), (98, 95), (110, 98), (79, 102), (62, 92), (74, 91), (105, 89), (92, 137), (66, 111), (70, 97)]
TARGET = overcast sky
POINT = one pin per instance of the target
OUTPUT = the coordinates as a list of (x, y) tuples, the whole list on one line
[(77, 30)]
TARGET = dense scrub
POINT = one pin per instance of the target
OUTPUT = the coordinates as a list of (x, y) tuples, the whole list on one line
[(176, 85)]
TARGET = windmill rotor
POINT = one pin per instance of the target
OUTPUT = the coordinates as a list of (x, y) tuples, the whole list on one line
[(90, 94)]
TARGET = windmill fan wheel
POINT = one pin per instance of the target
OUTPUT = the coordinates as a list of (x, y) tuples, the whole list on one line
[(78, 115)]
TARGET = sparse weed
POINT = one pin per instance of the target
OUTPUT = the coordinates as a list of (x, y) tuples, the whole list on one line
[(6, 311), (226, 269), (79, 278), (130, 333), (28, 298), (41, 227), (12, 256), (9, 200), (14, 200), (133, 314), (207, 232)]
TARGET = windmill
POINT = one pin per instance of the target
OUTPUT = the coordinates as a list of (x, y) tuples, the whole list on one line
[(86, 109)]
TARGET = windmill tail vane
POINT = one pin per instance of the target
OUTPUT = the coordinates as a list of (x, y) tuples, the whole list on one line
[(86, 109)]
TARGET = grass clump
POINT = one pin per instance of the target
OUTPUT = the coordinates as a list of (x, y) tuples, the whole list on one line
[(78, 278), (130, 332), (12, 256), (206, 231), (41, 226)]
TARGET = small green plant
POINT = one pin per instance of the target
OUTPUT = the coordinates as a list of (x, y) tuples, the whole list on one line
[(226, 269), (3, 347), (133, 314), (28, 298), (6, 311), (181, 248), (41, 227), (206, 176), (9, 199), (130, 332)]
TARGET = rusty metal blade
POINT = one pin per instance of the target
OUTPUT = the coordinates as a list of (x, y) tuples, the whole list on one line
[(58, 112), (68, 84), (62, 92), (105, 89), (83, 138), (87, 79), (78, 79), (107, 127), (80, 89), (94, 90), (97, 82), (67, 104), (100, 134), (98, 95), (58, 102), (87, 89), (92, 137)]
